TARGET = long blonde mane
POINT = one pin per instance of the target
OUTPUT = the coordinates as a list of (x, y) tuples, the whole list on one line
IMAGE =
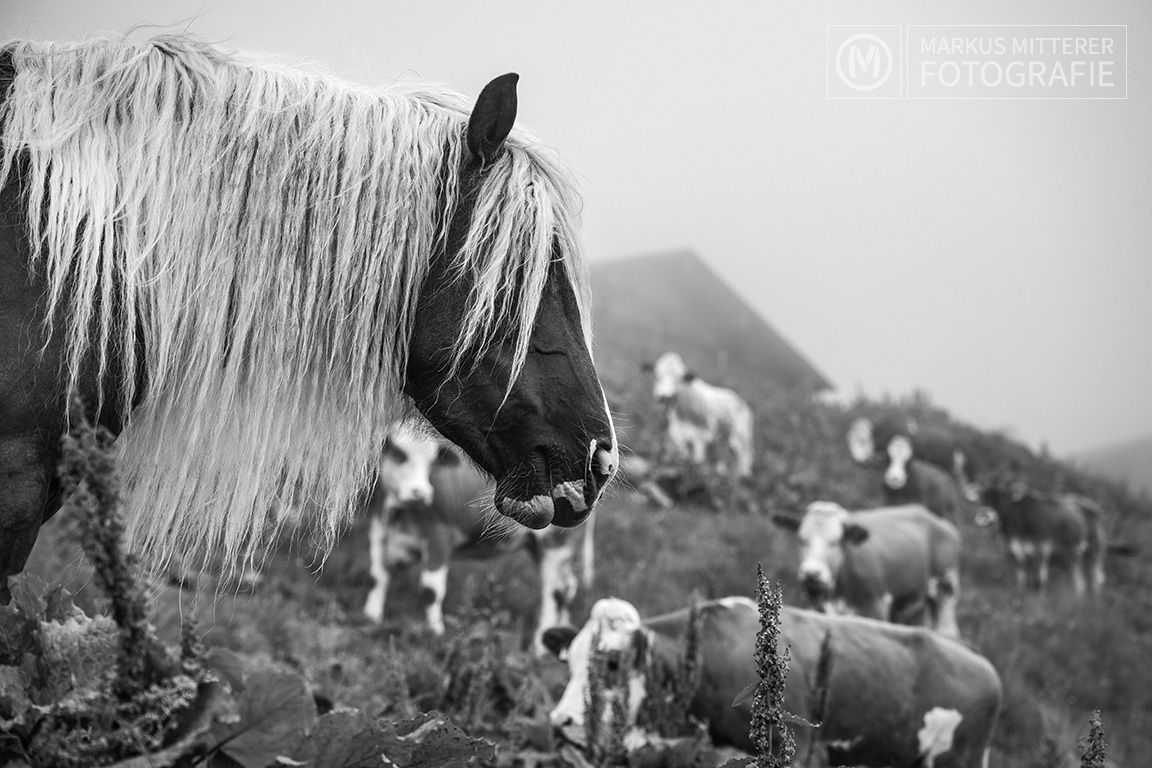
[(263, 231)]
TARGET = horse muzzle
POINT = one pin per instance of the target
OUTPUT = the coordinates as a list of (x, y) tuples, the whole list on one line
[(566, 503)]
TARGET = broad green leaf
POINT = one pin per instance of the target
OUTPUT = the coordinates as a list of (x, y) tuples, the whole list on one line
[(351, 739), (276, 713)]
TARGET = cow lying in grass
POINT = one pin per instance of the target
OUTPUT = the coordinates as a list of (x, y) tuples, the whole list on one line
[(427, 508), (894, 563), (1037, 526), (897, 696)]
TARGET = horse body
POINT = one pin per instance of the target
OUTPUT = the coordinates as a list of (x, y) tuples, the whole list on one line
[(245, 270)]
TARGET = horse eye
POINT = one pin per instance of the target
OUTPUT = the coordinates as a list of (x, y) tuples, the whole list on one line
[(613, 665), (395, 454)]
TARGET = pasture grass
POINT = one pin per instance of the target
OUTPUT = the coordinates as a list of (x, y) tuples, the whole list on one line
[(1059, 658)]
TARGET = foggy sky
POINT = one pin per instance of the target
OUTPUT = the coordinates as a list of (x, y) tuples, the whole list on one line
[(994, 253)]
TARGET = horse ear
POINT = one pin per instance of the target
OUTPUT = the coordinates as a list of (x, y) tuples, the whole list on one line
[(788, 522), (557, 640), (492, 118), (447, 457), (855, 534)]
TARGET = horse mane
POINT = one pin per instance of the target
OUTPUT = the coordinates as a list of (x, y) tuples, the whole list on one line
[(262, 232)]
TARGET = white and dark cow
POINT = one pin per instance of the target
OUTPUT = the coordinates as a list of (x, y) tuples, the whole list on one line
[(428, 507), (911, 481), (897, 696), (872, 441), (703, 419), (1037, 526), (896, 564)]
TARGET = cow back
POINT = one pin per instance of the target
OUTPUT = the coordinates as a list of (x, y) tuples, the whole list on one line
[(928, 485), (906, 546), (885, 679)]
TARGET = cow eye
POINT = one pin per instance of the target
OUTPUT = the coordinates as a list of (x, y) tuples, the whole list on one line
[(394, 453)]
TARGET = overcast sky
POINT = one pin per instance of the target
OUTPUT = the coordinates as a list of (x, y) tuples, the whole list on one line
[(994, 253)]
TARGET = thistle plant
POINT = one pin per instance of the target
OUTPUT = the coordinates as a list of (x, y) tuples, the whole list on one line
[(768, 715), (608, 673), (92, 498), (1093, 749)]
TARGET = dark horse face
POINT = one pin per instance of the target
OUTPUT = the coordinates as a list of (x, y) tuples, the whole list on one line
[(548, 439)]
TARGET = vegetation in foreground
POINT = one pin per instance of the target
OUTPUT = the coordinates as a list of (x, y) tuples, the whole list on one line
[(299, 641)]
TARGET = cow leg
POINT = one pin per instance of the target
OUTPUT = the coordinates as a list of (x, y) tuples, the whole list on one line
[(1020, 558), (558, 583), (435, 584), (1078, 565), (1097, 565), (377, 551), (1044, 555), (947, 595)]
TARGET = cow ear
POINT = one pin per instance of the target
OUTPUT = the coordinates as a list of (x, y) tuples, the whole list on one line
[(447, 457), (690, 376), (647, 366), (787, 522), (492, 118), (557, 640), (640, 646), (855, 533)]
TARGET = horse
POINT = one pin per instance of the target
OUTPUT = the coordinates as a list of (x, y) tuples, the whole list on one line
[(247, 271)]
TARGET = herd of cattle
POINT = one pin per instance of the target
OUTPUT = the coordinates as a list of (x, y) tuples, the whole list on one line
[(883, 584)]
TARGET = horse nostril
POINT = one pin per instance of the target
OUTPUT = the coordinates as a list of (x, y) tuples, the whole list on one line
[(603, 457)]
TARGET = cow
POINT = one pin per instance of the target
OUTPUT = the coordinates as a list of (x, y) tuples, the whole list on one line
[(425, 507), (870, 441), (702, 418), (912, 481), (897, 696), (893, 563), (1037, 526)]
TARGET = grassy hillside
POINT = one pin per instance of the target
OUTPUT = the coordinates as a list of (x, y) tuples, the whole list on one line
[(1129, 462), (1058, 658)]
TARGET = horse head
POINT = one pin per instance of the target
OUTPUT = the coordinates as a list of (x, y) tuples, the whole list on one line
[(528, 407)]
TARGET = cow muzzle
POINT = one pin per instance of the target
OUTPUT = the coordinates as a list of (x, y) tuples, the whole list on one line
[(816, 587)]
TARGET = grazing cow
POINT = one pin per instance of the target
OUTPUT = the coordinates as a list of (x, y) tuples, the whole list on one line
[(897, 696), (911, 481), (1037, 526), (703, 417), (424, 507), (870, 441), (889, 563)]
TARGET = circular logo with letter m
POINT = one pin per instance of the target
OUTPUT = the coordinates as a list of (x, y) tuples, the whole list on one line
[(864, 62)]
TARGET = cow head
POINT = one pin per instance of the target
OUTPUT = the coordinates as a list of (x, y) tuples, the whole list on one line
[(824, 531), (669, 372), (1007, 489), (615, 637), (406, 467), (899, 454)]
